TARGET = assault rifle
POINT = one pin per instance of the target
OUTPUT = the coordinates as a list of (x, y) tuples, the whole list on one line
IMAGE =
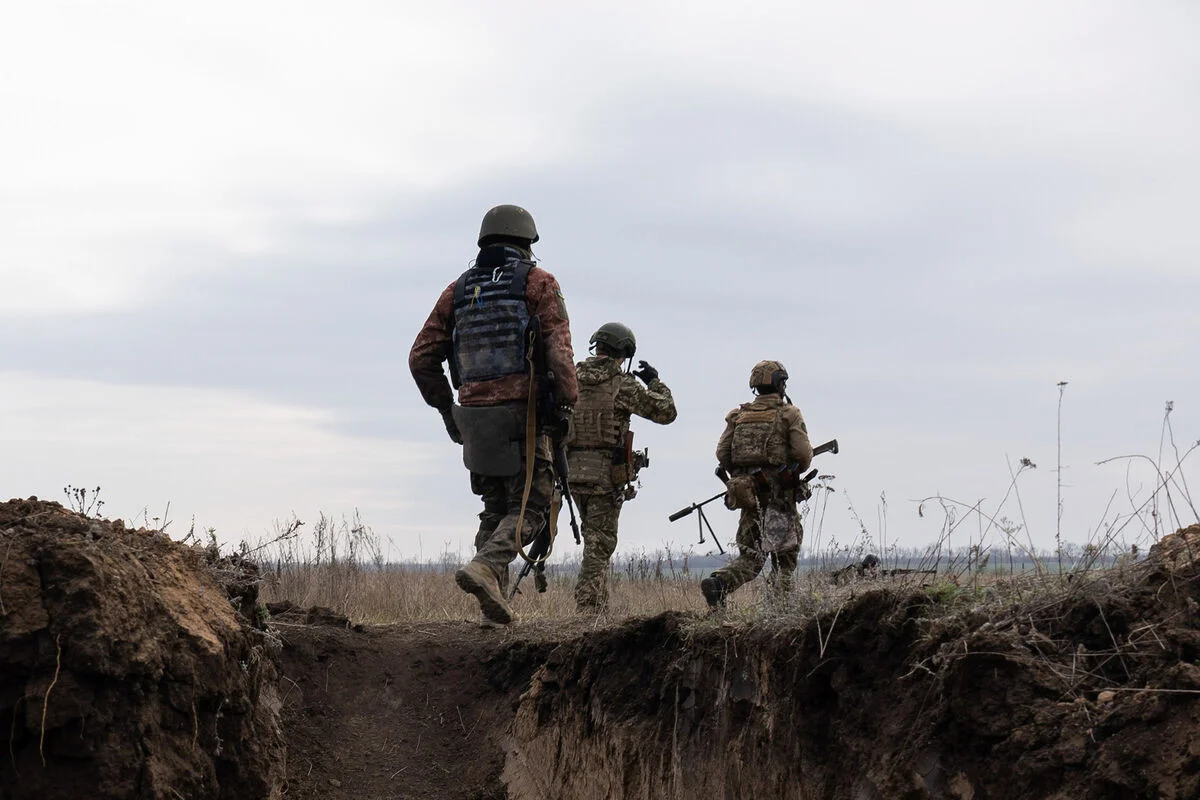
[(556, 424), (558, 434), (537, 555), (552, 419), (790, 474)]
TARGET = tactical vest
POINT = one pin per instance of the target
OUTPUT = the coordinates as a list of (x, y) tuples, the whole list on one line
[(595, 437), (595, 424), (491, 317), (756, 439)]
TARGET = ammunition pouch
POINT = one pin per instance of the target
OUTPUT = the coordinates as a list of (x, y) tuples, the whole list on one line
[(590, 468), (492, 438), (740, 493)]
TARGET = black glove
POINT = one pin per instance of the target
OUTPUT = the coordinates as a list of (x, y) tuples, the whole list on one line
[(560, 423), (451, 425), (646, 372)]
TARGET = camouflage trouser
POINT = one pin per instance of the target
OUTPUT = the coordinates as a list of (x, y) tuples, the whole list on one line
[(751, 558), (496, 541), (599, 513)]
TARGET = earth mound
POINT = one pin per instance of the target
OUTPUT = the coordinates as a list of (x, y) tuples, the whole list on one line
[(1088, 688), (125, 670)]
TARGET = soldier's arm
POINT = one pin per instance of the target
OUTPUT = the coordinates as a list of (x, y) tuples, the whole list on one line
[(653, 401), (434, 345), (547, 304), (725, 443), (799, 446)]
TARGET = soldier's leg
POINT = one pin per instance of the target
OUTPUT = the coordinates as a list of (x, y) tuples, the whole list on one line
[(750, 558), (600, 515), (500, 548), (495, 507)]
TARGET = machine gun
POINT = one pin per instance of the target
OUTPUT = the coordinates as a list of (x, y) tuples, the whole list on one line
[(789, 472), (702, 521)]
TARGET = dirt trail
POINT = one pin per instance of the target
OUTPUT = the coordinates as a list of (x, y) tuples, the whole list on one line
[(414, 711)]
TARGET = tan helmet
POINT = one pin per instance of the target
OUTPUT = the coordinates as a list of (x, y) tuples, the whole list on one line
[(768, 373), (508, 221)]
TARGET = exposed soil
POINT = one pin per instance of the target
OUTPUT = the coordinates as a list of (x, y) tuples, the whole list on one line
[(125, 669), (1091, 690)]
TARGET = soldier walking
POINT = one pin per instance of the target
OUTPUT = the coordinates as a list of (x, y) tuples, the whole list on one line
[(761, 438), (493, 324), (601, 459)]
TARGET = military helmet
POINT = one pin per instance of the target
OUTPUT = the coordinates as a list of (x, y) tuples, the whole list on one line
[(615, 337), (768, 373), (508, 220)]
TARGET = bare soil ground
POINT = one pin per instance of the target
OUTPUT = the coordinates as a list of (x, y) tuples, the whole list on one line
[(128, 670)]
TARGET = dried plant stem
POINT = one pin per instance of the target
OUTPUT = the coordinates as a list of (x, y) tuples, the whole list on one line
[(46, 698)]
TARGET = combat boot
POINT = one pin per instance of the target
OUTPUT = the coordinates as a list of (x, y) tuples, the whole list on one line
[(478, 579), (714, 591)]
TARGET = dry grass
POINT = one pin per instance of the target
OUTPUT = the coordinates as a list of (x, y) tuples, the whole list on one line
[(417, 593)]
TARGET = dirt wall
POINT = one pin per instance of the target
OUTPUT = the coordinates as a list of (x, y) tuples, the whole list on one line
[(124, 670), (1094, 693)]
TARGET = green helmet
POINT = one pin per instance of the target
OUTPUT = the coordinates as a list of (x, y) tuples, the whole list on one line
[(615, 337), (768, 373), (508, 221)]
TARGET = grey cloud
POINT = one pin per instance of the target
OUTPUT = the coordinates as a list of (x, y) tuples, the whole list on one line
[(914, 319)]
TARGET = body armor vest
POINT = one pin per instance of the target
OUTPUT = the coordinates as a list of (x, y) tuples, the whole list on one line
[(757, 441), (491, 317), (595, 425)]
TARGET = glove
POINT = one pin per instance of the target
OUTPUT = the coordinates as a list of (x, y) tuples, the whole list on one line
[(451, 425), (560, 423), (646, 372)]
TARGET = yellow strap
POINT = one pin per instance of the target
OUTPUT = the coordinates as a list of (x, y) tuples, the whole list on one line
[(530, 457)]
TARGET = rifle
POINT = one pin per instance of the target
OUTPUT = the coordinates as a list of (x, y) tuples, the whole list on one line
[(538, 551), (552, 421), (563, 478), (790, 473)]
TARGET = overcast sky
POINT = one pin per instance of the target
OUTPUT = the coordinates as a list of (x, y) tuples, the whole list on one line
[(224, 223)]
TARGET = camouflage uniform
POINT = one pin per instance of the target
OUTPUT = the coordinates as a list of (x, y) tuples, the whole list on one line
[(783, 440), (496, 541), (608, 396)]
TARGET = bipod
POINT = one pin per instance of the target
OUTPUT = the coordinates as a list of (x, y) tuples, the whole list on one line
[(701, 521)]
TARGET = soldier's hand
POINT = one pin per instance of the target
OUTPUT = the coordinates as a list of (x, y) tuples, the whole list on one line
[(451, 425), (560, 423), (646, 372)]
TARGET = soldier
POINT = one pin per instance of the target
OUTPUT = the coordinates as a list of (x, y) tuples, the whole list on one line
[(493, 324), (760, 438), (602, 464)]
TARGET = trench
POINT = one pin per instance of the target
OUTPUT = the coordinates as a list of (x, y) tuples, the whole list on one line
[(871, 701)]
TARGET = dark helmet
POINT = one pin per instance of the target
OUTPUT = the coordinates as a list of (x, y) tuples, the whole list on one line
[(616, 338), (768, 373), (511, 221)]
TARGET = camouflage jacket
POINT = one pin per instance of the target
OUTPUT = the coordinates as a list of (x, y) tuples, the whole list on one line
[(652, 401), (791, 432), (434, 345)]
